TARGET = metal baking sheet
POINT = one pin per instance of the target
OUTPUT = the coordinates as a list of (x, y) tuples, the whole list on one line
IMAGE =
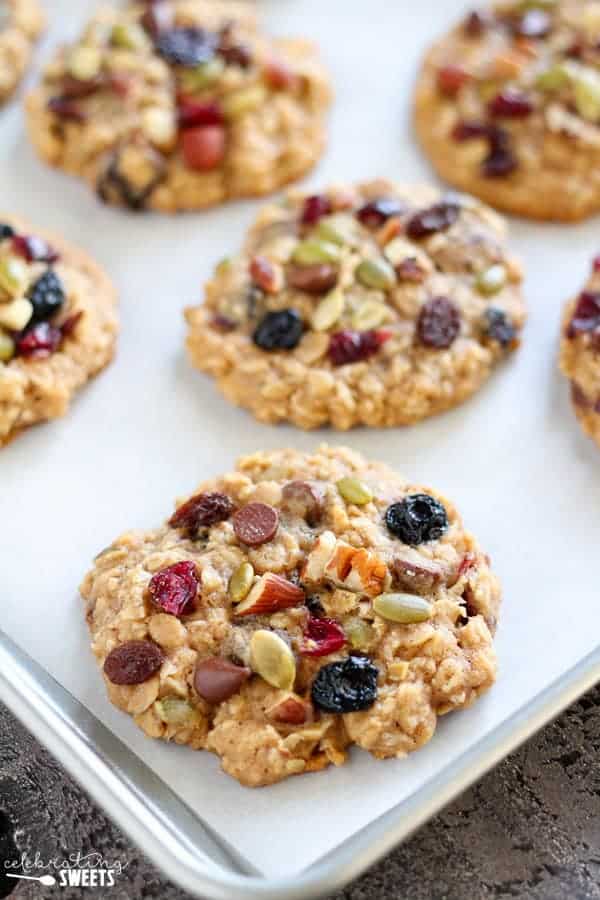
[(150, 428)]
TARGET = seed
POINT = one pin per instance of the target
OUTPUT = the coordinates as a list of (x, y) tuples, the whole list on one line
[(407, 609), (337, 229), (359, 633), (7, 347), (129, 36), (491, 280), (376, 273), (369, 314), (16, 314), (587, 94), (14, 275), (84, 63), (241, 102), (312, 251), (175, 711), (328, 311), (241, 582), (203, 76), (554, 78), (272, 659), (398, 250), (158, 125), (354, 491)]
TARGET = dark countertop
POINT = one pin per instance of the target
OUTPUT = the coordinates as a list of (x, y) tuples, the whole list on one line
[(530, 829)]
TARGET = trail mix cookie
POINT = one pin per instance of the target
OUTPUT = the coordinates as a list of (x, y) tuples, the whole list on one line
[(508, 107), (580, 353), (180, 104), (295, 606), (21, 22), (372, 305), (58, 325)]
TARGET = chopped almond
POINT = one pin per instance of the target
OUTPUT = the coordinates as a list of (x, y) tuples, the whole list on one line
[(270, 594)]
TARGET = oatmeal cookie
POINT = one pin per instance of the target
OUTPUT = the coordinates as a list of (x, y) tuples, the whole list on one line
[(21, 23), (58, 325), (372, 305), (508, 107), (180, 105), (295, 606), (580, 353)]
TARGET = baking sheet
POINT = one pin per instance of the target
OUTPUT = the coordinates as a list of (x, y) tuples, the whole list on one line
[(150, 428)]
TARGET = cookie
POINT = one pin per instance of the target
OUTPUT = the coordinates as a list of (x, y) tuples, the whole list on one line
[(21, 23), (180, 105), (291, 608), (372, 305), (58, 325), (508, 107), (580, 353)]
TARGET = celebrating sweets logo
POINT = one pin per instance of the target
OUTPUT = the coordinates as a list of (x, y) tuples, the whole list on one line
[(76, 870)]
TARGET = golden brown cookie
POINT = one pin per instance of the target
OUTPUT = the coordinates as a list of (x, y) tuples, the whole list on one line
[(507, 107), (293, 607), (21, 23)]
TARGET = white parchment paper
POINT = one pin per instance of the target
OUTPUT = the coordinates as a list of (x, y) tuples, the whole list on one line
[(150, 428)]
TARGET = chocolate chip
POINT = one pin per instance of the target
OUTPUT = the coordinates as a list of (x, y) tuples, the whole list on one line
[(133, 662), (303, 499), (315, 279), (256, 524), (216, 679)]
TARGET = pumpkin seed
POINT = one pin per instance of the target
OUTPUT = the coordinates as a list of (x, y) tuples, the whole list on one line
[(338, 229), (398, 250), (491, 280), (554, 78), (376, 273), (312, 251), (272, 659), (84, 63), (354, 491), (7, 347), (241, 582), (406, 609), (369, 314), (129, 36), (14, 275), (328, 311), (587, 94), (175, 711), (240, 102), (16, 314)]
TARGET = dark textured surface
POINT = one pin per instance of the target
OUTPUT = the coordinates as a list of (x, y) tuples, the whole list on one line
[(530, 829)]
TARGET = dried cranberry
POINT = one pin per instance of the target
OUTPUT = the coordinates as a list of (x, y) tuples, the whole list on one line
[(65, 108), (596, 264), (314, 208), (217, 679), (498, 326), (203, 148), (222, 323), (476, 24), (346, 686), (510, 104), (186, 46), (202, 510), (501, 160), (467, 131), (417, 519), (438, 324), (175, 588), (256, 524), (191, 114), (450, 79), (534, 23), (280, 330), (376, 212), (586, 317), (429, 221), (40, 341), (34, 249), (322, 636), (133, 662), (354, 346)]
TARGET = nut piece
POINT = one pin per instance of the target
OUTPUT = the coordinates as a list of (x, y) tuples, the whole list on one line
[(256, 524), (291, 710), (417, 574), (269, 594), (304, 499), (318, 557), (272, 659), (407, 609), (217, 679), (357, 570)]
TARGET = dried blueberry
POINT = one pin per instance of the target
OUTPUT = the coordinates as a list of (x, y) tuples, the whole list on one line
[(279, 330), (47, 295), (6, 231), (346, 686), (416, 519), (498, 326), (186, 46)]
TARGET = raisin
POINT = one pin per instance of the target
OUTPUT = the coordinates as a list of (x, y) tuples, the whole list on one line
[(201, 511), (470, 130), (256, 524), (416, 519), (315, 207), (429, 221), (186, 46), (346, 686), (175, 588), (438, 324), (376, 212), (355, 346), (34, 249), (192, 114), (279, 330), (40, 341), (586, 317), (498, 326), (322, 637), (217, 679), (133, 662), (314, 606), (46, 295)]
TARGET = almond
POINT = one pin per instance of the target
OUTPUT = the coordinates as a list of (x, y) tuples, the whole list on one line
[(291, 710), (321, 553), (269, 594), (418, 575)]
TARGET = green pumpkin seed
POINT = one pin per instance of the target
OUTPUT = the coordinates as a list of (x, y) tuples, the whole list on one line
[(369, 314), (587, 94), (328, 311), (376, 273), (175, 711), (359, 633), (406, 609), (240, 102), (203, 75), (554, 78), (84, 63), (129, 36), (7, 347), (14, 275), (491, 280), (338, 229), (354, 491), (241, 582), (272, 659), (313, 251)]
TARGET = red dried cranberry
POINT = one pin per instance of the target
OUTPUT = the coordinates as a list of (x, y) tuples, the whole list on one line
[(376, 212), (467, 131), (322, 636), (534, 23), (586, 317), (429, 221), (354, 346), (175, 588), (40, 341), (133, 662), (596, 264), (450, 79), (510, 104), (34, 249), (202, 510), (476, 24), (191, 114), (501, 160), (410, 270), (314, 208), (438, 324), (65, 108), (222, 323), (203, 147)]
